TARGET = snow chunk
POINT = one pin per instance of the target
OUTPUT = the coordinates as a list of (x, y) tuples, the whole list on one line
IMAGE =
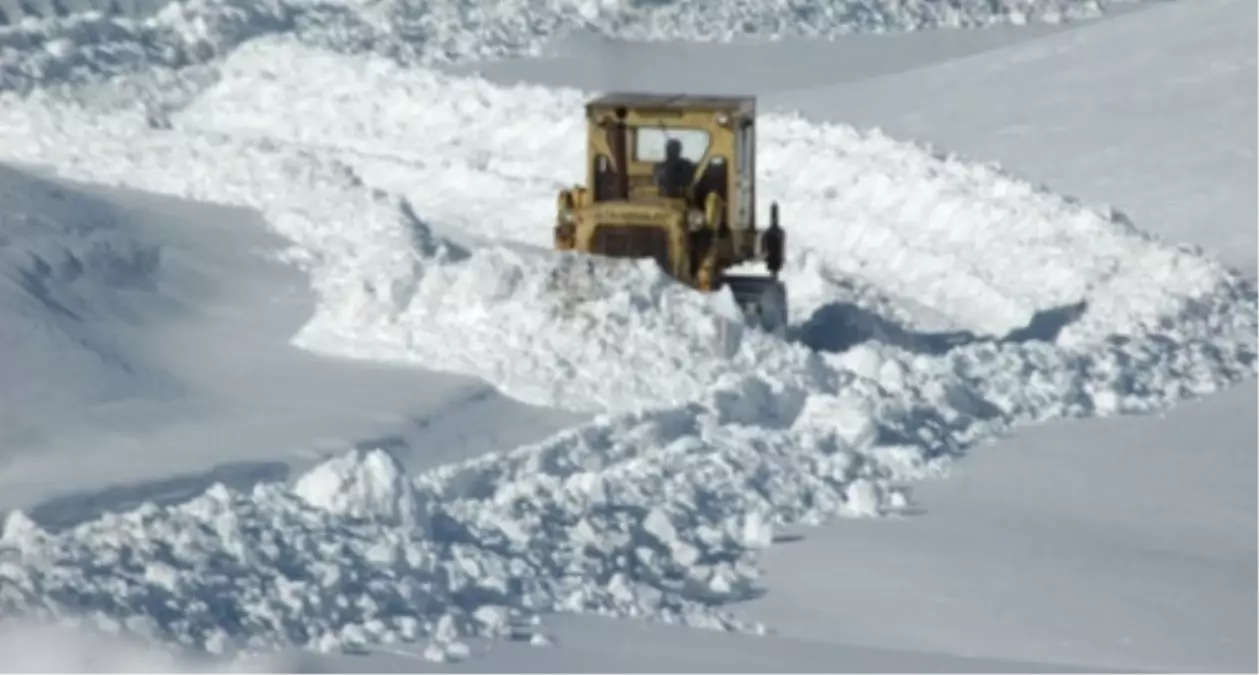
[(19, 528), (864, 497), (541, 640), (367, 484), (758, 531)]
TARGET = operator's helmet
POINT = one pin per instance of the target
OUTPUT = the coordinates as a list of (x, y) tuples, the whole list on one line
[(673, 148)]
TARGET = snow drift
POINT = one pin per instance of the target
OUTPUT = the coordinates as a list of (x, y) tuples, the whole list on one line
[(710, 434)]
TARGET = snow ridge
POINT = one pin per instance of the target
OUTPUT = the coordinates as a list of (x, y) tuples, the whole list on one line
[(84, 47)]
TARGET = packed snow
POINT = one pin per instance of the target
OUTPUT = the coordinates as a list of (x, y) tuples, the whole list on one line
[(708, 436)]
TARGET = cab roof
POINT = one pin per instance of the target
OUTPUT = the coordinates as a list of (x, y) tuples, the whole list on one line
[(732, 104)]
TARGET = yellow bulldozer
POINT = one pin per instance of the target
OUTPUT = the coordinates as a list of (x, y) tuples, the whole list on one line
[(673, 178)]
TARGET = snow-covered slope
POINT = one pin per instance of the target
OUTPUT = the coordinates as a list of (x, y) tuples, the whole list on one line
[(1180, 75)]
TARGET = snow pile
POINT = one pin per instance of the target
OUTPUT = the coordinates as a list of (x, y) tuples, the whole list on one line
[(231, 573), (365, 485), (84, 47), (655, 514), (68, 269), (931, 227)]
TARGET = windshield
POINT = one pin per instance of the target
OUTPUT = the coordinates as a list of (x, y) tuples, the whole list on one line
[(649, 143)]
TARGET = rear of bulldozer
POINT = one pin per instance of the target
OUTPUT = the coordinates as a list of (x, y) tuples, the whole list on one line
[(653, 230), (685, 245), (697, 230)]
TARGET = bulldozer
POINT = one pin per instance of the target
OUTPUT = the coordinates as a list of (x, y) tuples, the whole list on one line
[(673, 178)]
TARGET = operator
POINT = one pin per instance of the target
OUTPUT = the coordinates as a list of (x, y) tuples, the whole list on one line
[(676, 173)]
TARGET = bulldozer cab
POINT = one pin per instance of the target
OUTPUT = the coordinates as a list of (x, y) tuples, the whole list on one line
[(666, 148), (672, 178)]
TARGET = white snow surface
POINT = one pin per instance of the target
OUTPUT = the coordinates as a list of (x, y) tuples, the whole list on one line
[(33, 649), (68, 266), (76, 47), (708, 434)]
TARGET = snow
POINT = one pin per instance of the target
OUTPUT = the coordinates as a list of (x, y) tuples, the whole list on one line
[(211, 391), (896, 207), (68, 266), (418, 205), (83, 46), (1036, 106), (1121, 543), (230, 570), (45, 648), (366, 484), (645, 510)]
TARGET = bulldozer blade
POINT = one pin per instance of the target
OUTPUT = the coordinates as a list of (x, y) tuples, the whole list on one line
[(762, 299)]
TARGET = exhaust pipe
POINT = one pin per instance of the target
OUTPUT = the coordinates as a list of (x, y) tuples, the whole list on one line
[(773, 242), (620, 154)]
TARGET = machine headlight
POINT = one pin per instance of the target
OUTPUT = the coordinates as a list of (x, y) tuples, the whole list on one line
[(695, 219)]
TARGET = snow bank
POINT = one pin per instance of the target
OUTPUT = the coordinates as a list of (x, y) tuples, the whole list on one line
[(881, 228), (711, 435), (83, 47), (68, 268)]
